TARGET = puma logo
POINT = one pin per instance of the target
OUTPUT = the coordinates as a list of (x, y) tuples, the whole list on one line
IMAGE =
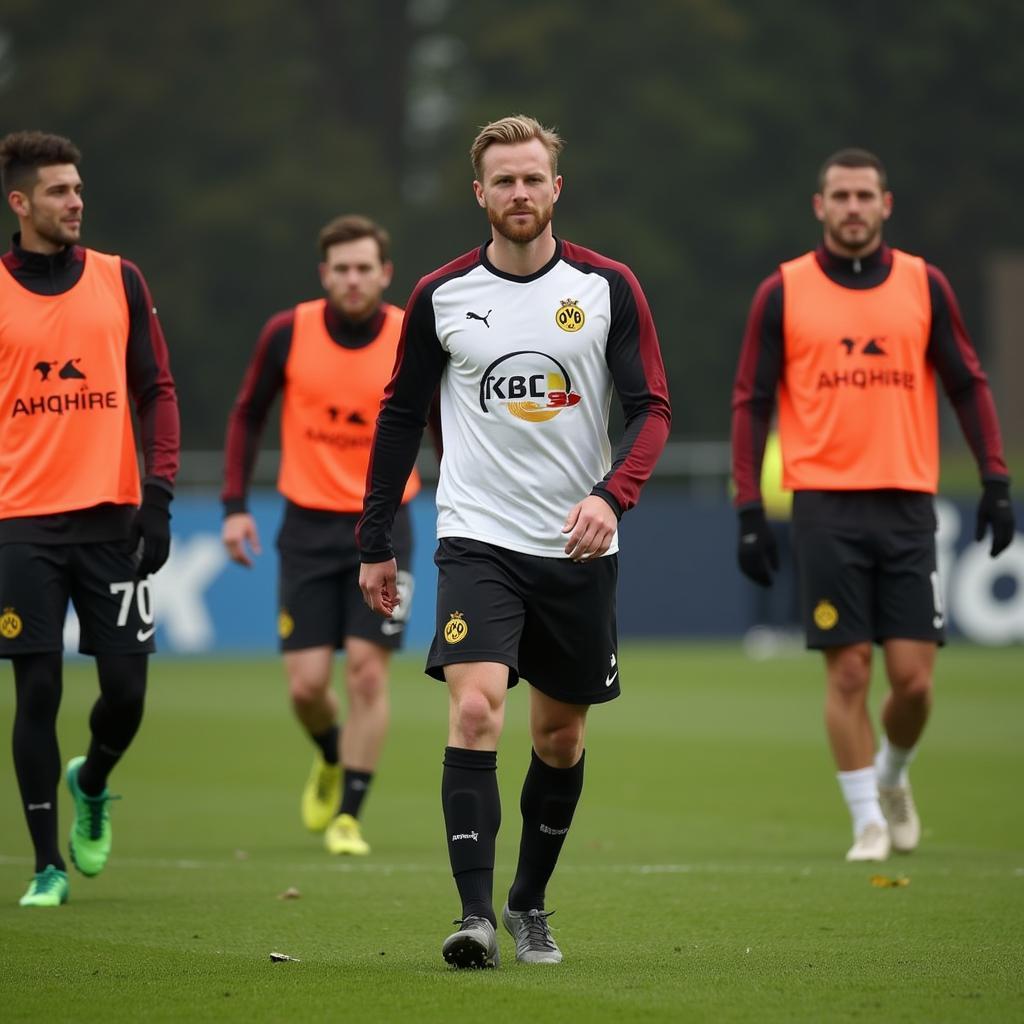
[(477, 316)]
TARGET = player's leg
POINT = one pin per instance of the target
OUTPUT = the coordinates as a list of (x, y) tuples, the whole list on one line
[(852, 740), (117, 620), (569, 654), (551, 791), (369, 641), (34, 588), (113, 722), (912, 625), (471, 804), (315, 705), (479, 622), (311, 626), (366, 726), (37, 685), (910, 665), (836, 568)]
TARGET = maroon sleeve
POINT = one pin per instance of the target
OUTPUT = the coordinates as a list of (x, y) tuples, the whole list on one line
[(263, 379), (638, 375), (753, 396), (150, 383), (956, 362)]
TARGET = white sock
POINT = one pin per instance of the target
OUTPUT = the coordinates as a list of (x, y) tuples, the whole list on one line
[(860, 791), (892, 763)]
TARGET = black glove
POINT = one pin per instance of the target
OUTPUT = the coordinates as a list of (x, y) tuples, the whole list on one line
[(996, 510), (150, 535), (758, 553)]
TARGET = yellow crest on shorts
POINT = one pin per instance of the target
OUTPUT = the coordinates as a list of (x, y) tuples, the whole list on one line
[(285, 624), (10, 624), (826, 615), (569, 316), (456, 629)]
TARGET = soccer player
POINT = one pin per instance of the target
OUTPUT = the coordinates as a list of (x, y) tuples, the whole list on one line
[(528, 335), (852, 337), (79, 336), (331, 357)]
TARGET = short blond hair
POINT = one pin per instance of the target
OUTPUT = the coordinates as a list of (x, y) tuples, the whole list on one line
[(509, 131)]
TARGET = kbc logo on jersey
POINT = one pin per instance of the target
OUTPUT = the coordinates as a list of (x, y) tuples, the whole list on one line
[(530, 385)]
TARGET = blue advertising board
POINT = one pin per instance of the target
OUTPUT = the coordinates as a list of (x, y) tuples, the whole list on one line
[(677, 577)]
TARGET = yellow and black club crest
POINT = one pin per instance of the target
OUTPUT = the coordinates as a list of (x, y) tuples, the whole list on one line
[(826, 615), (569, 316), (10, 624), (285, 624), (456, 629)]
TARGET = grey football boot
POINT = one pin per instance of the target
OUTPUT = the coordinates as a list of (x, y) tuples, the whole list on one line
[(474, 945), (534, 941)]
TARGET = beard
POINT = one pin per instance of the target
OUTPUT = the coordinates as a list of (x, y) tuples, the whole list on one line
[(521, 234), (868, 240), (57, 234)]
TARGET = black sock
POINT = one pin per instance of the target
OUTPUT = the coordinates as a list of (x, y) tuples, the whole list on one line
[(38, 684), (353, 793), (472, 816), (547, 803), (115, 718), (327, 741)]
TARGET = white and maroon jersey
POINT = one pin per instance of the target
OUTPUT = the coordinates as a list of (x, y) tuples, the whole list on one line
[(526, 367)]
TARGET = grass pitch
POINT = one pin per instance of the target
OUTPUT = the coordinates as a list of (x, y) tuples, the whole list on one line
[(703, 878)]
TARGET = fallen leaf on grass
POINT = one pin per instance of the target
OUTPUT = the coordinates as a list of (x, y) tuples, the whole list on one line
[(885, 882)]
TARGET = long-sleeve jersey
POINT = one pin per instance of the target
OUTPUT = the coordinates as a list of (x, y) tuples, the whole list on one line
[(150, 386), (526, 367), (763, 354)]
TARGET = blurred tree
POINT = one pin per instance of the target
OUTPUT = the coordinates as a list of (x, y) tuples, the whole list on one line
[(219, 138), (216, 140)]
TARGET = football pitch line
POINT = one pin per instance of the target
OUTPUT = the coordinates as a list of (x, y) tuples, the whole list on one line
[(242, 862)]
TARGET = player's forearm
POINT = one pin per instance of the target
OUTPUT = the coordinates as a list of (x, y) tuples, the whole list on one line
[(395, 447)]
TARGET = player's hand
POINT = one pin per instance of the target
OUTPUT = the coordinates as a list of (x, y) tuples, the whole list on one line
[(758, 553), (379, 583), (241, 538), (591, 525), (996, 510), (150, 535)]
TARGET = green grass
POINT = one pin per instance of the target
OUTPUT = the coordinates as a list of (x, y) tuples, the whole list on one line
[(703, 878)]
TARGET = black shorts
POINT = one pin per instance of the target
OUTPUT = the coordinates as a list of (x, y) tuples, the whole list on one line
[(866, 561), (115, 608), (551, 620), (319, 600)]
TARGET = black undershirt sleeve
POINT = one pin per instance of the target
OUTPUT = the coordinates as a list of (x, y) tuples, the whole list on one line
[(404, 412)]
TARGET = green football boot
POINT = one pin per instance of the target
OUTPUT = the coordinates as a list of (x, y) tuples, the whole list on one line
[(91, 834), (49, 888)]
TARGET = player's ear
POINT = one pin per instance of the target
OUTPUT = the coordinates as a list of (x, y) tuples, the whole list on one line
[(18, 202), (558, 187), (478, 191)]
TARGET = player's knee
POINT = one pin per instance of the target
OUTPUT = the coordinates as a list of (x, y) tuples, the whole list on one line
[(560, 746), (305, 689), (366, 682), (123, 680), (38, 685), (475, 717), (913, 685), (850, 672)]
